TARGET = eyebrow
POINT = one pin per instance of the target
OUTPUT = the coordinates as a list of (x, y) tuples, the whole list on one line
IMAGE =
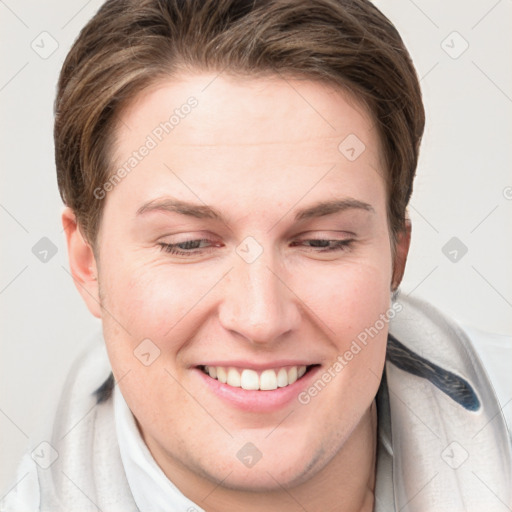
[(335, 206), (168, 204), (199, 211)]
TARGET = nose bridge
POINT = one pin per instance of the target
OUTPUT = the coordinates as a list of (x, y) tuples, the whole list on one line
[(257, 305)]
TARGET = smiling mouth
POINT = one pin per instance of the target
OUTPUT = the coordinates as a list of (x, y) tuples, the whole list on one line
[(248, 379)]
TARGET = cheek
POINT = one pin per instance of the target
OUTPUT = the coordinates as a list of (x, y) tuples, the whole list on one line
[(154, 299), (350, 296), (354, 305), (353, 302)]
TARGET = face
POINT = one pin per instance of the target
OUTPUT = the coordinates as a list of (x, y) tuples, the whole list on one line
[(245, 249)]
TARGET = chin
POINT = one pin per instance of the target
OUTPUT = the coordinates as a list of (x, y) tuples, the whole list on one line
[(268, 474)]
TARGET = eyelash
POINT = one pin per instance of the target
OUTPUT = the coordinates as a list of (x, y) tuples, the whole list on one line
[(339, 245), (173, 248)]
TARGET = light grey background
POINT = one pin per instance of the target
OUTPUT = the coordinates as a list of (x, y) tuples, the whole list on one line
[(463, 189)]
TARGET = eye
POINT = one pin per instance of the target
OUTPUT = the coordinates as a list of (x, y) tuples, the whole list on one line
[(325, 245), (189, 247), (199, 246)]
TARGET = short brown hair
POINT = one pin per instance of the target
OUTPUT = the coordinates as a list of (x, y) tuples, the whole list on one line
[(131, 44)]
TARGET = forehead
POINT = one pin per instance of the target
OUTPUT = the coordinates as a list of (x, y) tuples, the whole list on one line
[(225, 135), (228, 103)]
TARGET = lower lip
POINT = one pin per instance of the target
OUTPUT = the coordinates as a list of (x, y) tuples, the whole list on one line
[(258, 401)]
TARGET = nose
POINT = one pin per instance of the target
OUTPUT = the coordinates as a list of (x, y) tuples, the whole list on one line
[(257, 303)]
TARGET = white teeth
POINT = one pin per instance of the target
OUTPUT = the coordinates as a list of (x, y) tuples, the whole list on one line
[(221, 374), (248, 379), (268, 380), (233, 378), (292, 375), (282, 378)]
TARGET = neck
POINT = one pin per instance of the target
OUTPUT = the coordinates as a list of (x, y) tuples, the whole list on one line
[(345, 484)]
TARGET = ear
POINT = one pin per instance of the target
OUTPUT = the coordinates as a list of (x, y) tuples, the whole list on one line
[(82, 263), (401, 250)]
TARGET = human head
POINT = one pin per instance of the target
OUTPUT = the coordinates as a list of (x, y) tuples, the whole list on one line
[(275, 94)]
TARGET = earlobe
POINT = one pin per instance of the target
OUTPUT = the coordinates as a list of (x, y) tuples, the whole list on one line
[(82, 263), (403, 243)]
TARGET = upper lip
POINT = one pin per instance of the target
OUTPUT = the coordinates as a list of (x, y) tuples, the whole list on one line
[(251, 365)]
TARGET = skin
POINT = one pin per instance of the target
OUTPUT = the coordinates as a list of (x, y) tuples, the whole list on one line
[(257, 150)]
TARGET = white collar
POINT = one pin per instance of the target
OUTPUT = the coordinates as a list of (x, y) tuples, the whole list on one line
[(151, 489)]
